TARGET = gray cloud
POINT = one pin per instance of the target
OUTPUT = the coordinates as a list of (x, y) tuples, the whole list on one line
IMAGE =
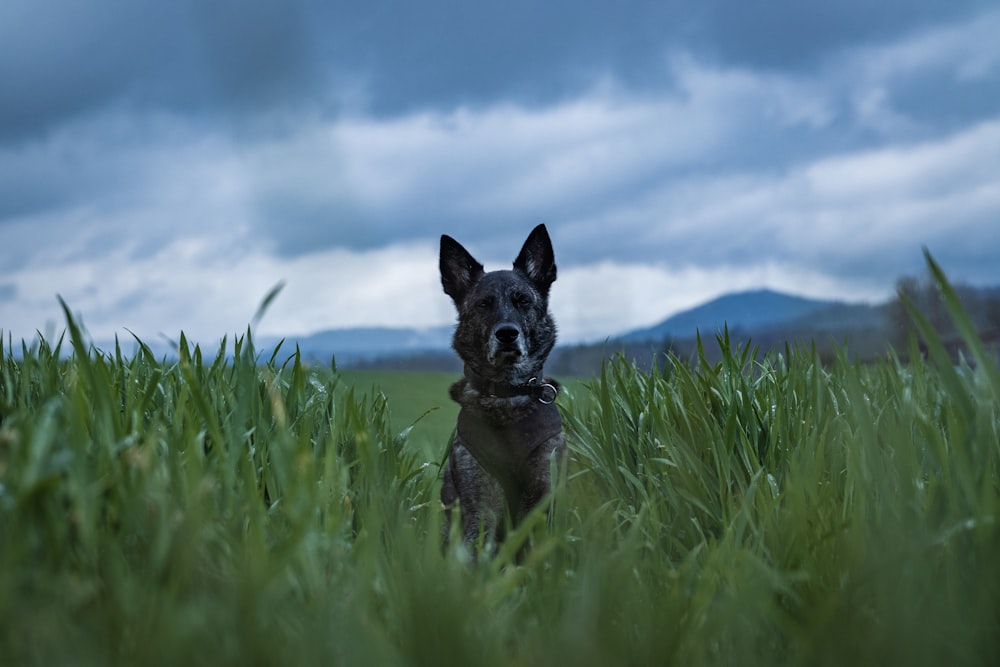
[(790, 35), (235, 60), (64, 58), (614, 155), (165, 147), (611, 154), (249, 57)]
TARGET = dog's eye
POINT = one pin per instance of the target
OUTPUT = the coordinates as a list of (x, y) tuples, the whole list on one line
[(521, 300), (485, 303)]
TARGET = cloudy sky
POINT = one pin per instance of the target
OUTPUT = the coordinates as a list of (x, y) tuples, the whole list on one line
[(164, 164)]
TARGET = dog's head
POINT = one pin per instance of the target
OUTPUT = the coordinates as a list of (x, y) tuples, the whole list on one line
[(505, 330)]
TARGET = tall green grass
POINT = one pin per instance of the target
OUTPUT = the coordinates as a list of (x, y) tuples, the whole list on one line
[(239, 507)]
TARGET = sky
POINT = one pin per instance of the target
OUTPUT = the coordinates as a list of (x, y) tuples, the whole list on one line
[(163, 165)]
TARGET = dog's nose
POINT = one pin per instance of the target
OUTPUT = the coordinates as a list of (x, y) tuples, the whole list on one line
[(506, 334)]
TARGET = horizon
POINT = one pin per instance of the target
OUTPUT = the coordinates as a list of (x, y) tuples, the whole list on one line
[(164, 338)]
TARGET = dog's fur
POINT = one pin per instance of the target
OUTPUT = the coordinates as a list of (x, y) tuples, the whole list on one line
[(509, 430)]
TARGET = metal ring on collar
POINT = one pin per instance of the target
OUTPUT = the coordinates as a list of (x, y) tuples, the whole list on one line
[(549, 391)]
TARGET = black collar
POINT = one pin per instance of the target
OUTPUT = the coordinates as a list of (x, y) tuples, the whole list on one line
[(541, 389)]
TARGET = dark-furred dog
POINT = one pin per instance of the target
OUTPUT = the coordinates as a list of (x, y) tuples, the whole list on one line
[(509, 429)]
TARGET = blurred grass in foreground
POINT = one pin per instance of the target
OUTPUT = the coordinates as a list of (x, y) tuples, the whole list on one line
[(237, 507)]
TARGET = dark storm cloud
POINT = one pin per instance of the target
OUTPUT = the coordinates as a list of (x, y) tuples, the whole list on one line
[(941, 100), (790, 34), (444, 53), (179, 149), (255, 53), (64, 57), (61, 59)]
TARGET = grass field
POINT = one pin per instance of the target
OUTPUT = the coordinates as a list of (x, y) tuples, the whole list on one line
[(237, 507), (416, 401)]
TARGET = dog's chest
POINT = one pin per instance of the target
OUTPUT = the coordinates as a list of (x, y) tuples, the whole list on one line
[(504, 449)]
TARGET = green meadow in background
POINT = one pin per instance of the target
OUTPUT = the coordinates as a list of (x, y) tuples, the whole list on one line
[(235, 506)]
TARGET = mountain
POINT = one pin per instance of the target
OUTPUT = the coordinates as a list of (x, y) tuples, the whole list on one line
[(754, 310), (351, 346)]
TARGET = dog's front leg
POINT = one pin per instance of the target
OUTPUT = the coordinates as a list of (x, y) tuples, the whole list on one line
[(479, 497)]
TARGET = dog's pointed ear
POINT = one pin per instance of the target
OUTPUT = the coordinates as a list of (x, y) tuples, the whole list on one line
[(537, 261), (459, 270)]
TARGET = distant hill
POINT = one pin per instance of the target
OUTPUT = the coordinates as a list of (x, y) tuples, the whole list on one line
[(768, 319), (360, 345), (756, 310), (840, 316)]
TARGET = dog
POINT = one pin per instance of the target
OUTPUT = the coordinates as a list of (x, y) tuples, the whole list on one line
[(509, 430)]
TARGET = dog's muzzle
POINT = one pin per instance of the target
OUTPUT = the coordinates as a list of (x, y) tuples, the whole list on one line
[(507, 342)]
